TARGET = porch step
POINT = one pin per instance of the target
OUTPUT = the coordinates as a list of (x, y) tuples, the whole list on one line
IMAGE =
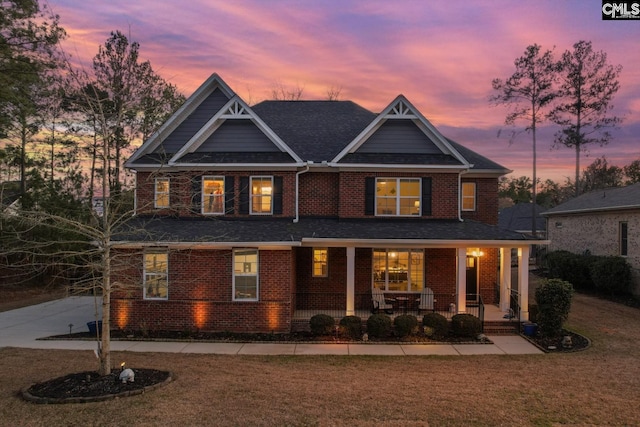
[(501, 328)]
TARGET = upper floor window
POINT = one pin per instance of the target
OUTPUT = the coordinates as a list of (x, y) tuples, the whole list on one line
[(623, 238), (213, 201), (156, 273), (468, 196), (161, 193), (245, 274), (261, 195), (398, 196), (320, 262)]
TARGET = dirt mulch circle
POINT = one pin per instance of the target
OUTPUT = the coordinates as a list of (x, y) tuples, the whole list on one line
[(83, 387)]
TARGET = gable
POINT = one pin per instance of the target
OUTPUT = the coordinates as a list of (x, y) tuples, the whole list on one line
[(193, 123), (236, 136), (400, 134), (395, 136)]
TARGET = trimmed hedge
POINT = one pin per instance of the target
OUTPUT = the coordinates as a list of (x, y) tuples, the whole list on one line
[(438, 323), (322, 324), (351, 326), (405, 325), (572, 268), (379, 325), (466, 325)]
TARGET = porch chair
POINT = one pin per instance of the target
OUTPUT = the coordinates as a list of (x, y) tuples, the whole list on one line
[(379, 302), (426, 300)]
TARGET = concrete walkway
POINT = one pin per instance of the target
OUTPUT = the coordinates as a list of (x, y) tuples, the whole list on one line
[(23, 327)]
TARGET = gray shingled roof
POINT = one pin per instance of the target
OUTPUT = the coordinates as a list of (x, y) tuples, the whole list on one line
[(315, 130), (171, 229), (518, 217), (478, 161), (601, 200)]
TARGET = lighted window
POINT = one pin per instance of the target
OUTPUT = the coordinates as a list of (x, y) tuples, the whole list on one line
[(245, 274), (261, 195), (161, 195), (398, 196), (468, 196), (623, 229), (156, 285), (398, 270), (213, 195), (320, 265)]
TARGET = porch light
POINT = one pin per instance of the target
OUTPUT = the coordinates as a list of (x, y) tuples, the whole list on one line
[(477, 253)]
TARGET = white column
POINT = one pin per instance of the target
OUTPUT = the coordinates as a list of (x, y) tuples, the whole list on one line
[(505, 279), (351, 272), (461, 281), (523, 282)]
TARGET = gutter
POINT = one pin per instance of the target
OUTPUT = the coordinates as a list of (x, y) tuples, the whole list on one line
[(305, 170)]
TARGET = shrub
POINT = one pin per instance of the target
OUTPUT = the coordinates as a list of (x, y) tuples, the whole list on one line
[(379, 325), (571, 267), (553, 298), (322, 324), (405, 324), (351, 326), (612, 275), (466, 325), (438, 323)]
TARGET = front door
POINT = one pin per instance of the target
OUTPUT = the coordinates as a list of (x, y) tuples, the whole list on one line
[(472, 278)]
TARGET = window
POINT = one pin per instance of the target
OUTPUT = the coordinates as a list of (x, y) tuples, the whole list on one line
[(213, 195), (397, 196), (468, 196), (398, 270), (161, 196), (623, 238), (156, 284), (320, 262), (261, 195), (245, 275)]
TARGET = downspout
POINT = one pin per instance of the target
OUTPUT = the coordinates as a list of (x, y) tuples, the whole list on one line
[(460, 194), (306, 169)]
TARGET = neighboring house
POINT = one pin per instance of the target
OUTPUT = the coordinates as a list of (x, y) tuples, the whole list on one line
[(256, 218), (518, 218), (602, 222)]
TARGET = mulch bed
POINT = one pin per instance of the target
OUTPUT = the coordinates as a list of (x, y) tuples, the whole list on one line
[(554, 344), (83, 387)]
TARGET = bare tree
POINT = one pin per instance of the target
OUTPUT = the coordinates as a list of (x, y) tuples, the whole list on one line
[(588, 86), (529, 92), (333, 93), (280, 92)]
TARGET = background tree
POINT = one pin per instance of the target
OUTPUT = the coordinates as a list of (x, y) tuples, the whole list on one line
[(600, 174), (588, 84), (516, 189), (632, 172), (528, 92)]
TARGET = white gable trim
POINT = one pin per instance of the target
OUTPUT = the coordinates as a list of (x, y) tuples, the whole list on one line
[(212, 83), (401, 108), (235, 109)]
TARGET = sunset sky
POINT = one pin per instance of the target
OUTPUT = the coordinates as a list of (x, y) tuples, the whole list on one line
[(442, 55)]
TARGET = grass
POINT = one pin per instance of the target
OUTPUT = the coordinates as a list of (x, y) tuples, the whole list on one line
[(594, 387)]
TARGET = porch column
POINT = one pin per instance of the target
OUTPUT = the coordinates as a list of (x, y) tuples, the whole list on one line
[(351, 272), (505, 279), (461, 281), (523, 282)]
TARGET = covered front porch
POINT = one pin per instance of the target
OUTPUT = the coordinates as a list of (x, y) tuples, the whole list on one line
[(504, 299)]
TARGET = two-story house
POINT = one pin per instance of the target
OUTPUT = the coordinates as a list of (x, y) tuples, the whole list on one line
[(253, 218)]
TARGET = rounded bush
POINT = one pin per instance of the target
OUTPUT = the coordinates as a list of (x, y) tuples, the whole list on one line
[(379, 325), (438, 323), (322, 324), (405, 324), (351, 326), (466, 325)]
